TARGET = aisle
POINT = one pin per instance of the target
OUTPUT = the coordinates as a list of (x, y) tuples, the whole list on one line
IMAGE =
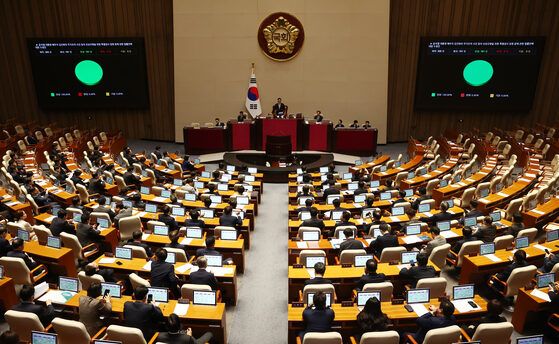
[(261, 314)]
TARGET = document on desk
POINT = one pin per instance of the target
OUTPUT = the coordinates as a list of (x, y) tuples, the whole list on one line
[(145, 236), (357, 205), (540, 247), (12, 203), (147, 266), (411, 239), (502, 194), (336, 242), (524, 180), (159, 199), (401, 266), (419, 309), (448, 234), (107, 260), (539, 212), (394, 219), (40, 289), (301, 244), (50, 218), (311, 273), (540, 294), (141, 213), (493, 257), (184, 268), (186, 241), (220, 271), (463, 306), (57, 296), (181, 309)]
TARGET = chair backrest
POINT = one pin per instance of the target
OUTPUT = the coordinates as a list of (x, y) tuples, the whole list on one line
[(467, 248), (218, 229), (386, 289), (437, 285), (152, 223), (530, 233), (498, 333), (467, 197), (384, 337), (432, 185), (48, 131), (187, 290), (103, 136), (438, 255), (71, 241), (322, 338), (304, 254), (39, 135), (69, 137), (42, 233), (538, 144), (513, 207), (137, 251), (82, 193), (519, 278), (308, 229), (348, 256), (86, 281), (70, 331), (180, 255), (129, 225), (77, 133), (445, 335), (315, 288), (23, 323), (99, 215), (137, 281), (481, 187), (342, 228), (391, 254), (529, 139), (124, 334), (21, 145), (503, 241), (16, 269), (399, 177), (120, 183)]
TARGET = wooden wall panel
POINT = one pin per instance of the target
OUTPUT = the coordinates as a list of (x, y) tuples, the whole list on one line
[(411, 19), (151, 19)]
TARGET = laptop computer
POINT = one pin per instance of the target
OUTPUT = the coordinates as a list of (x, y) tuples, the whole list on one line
[(484, 193), (68, 284), (249, 178), (144, 190), (361, 260), (205, 174), (538, 339), (552, 235), (194, 232), (464, 291), (214, 260), (178, 211), (411, 175), (312, 260), (151, 208), (443, 225), (230, 168), (521, 242), (347, 176), (543, 280), (199, 185), (408, 257), (337, 214), (228, 235), (449, 202), (413, 229), (310, 297), (103, 223), (159, 294), (77, 217), (364, 296), (485, 249), (311, 236), (496, 217), (166, 193), (171, 258), (470, 221), (443, 183), (123, 253), (23, 234), (330, 199), (161, 230), (222, 187), (43, 338), (177, 182), (397, 211), (304, 215), (242, 200), (216, 199), (207, 213), (409, 192), (205, 298), (190, 197), (417, 296), (53, 242), (352, 186), (374, 183), (113, 288), (252, 170), (424, 208), (359, 198)]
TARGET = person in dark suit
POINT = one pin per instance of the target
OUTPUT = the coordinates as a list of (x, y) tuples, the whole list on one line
[(17, 252), (157, 152), (519, 261), (168, 219), (367, 125), (96, 184), (279, 110), (314, 221), (5, 245), (361, 188), (174, 238), (337, 207), (105, 208), (435, 318), (241, 116), (340, 124), (487, 232), (549, 262), (376, 219), (144, 316), (318, 317), (88, 232), (517, 225), (318, 116), (494, 311), (227, 219), (61, 223), (175, 334), (130, 178), (466, 237), (415, 273), (355, 125), (474, 212), (371, 318), (350, 243), (187, 165), (210, 248), (219, 123), (137, 241), (371, 275), (319, 270), (387, 239), (422, 196), (444, 215), (76, 177), (9, 337), (344, 221), (26, 295), (308, 205), (202, 276), (163, 273), (194, 220), (332, 190), (401, 197)]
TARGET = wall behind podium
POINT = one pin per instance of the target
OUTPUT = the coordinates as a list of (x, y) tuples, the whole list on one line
[(342, 68)]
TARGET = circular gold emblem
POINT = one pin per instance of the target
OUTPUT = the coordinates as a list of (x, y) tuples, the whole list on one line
[(281, 36)]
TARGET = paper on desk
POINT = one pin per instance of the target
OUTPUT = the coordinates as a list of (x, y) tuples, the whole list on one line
[(524, 180), (450, 211), (461, 183), (359, 222), (186, 241), (463, 306), (336, 242), (40, 289), (57, 296), (357, 205), (369, 241), (540, 294), (184, 268), (428, 214), (483, 200), (147, 266), (220, 271), (12, 203), (502, 194), (419, 309), (411, 239), (145, 236), (311, 273), (482, 173), (107, 260), (448, 234), (301, 244), (50, 218), (394, 218), (540, 247), (493, 257), (539, 212), (159, 199), (181, 309)]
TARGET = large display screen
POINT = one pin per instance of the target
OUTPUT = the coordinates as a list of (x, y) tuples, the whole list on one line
[(478, 74), (85, 73)]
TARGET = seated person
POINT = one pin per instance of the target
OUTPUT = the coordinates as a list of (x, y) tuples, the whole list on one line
[(314, 221), (337, 207), (5, 245), (487, 231), (466, 237), (93, 307), (444, 215), (519, 261), (412, 215), (361, 188), (187, 165), (437, 240), (388, 238), (142, 315), (354, 125), (517, 225), (415, 273), (305, 191), (340, 124), (371, 318), (96, 184), (202, 276), (318, 317), (344, 221), (174, 237), (494, 311), (308, 205), (163, 273), (389, 185), (9, 337), (105, 208), (376, 219), (175, 334), (17, 252), (210, 248), (26, 304), (130, 178), (435, 318), (121, 212), (167, 219), (549, 262), (137, 241), (319, 270), (88, 231), (474, 212), (93, 269), (332, 190), (422, 197), (371, 275), (350, 243), (188, 186), (228, 219), (401, 197), (61, 223), (367, 125)]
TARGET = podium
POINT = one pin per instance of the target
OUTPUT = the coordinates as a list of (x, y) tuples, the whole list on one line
[(318, 136), (278, 146), (241, 135), (292, 127)]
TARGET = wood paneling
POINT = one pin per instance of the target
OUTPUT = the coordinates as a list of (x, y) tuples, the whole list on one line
[(151, 19), (411, 19)]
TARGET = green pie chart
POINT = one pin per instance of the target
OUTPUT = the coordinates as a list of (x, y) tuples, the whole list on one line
[(88, 72), (478, 72)]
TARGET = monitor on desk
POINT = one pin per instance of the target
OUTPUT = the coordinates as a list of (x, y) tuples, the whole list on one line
[(23, 234), (375, 183), (205, 298), (299, 179), (443, 183), (216, 199), (151, 208), (347, 176), (485, 249), (304, 215), (364, 296), (352, 186), (409, 192), (411, 175), (361, 260), (214, 260), (205, 174), (409, 257), (424, 208), (53, 242), (360, 198), (456, 178), (161, 230), (127, 204), (228, 235), (330, 199), (449, 202), (68, 284), (113, 288), (413, 229), (337, 214), (207, 213), (252, 170), (230, 168), (222, 187), (464, 291), (198, 185), (166, 193), (303, 199), (521, 242), (323, 169), (358, 162), (177, 182), (103, 223), (1, 271), (417, 296), (397, 211), (190, 197), (543, 280), (310, 297), (552, 235), (171, 258), (470, 221), (495, 216), (144, 190), (109, 180), (226, 177), (242, 200), (77, 217), (249, 178), (443, 225), (385, 196), (178, 211), (123, 253), (43, 338), (383, 168), (194, 232), (144, 173), (368, 212), (483, 193), (159, 294), (312, 260), (538, 339)]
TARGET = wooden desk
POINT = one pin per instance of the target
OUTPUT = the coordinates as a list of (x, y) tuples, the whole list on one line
[(389, 174), (525, 306), (418, 181), (542, 214), (63, 256), (345, 320), (57, 192), (474, 269), (233, 249), (227, 283), (8, 295), (14, 205), (381, 159)]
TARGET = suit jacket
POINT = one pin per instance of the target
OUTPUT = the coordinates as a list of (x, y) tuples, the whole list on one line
[(415, 273), (230, 220), (515, 228), (428, 322), (504, 275), (549, 263), (87, 234), (279, 109), (359, 191), (96, 186), (318, 280), (486, 233), (59, 225), (313, 223), (382, 242), (330, 191), (436, 241), (107, 210), (5, 247), (318, 320), (351, 244), (318, 118), (143, 316), (90, 311), (458, 244), (195, 223), (163, 275), (141, 244), (207, 252), (127, 212), (169, 221), (45, 313), (418, 200), (130, 179), (26, 259), (204, 277), (370, 278), (475, 212), (442, 216)]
